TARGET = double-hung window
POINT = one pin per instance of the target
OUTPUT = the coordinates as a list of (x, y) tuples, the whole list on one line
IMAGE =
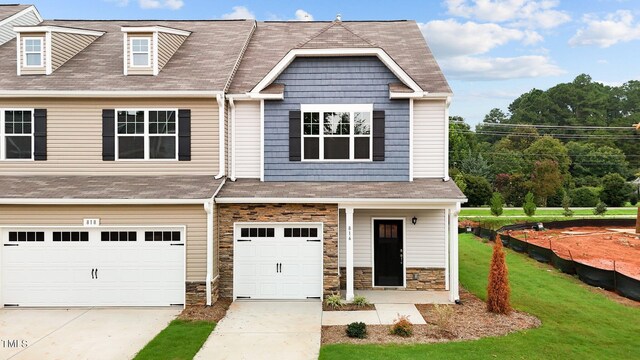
[(140, 52), (33, 52), (337, 132), (146, 134), (16, 134)]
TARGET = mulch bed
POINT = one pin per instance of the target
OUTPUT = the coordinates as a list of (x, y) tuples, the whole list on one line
[(468, 321), (348, 307), (213, 313)]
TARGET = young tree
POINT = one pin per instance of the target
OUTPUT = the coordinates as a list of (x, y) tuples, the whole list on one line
[(615, 190), (566, 203), (546, 179), (497, 204), (529, 206), (498, 291), (600, 209), (478, 190)]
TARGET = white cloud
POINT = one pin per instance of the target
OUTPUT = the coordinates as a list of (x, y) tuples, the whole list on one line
[(527, 13), (239, 12), (610, 30), (498, 68), (302, 15), (448, 38), (602, 61), (119, 2), (161, 4)]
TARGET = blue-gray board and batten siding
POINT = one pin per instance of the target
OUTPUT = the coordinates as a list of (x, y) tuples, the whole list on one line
[(346, 80)]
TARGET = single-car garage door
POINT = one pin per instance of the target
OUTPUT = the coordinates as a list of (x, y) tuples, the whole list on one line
[(123, 266), (277, 261)]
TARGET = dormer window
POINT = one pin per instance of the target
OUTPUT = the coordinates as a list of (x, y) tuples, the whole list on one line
[(33, 52), (140, 52)]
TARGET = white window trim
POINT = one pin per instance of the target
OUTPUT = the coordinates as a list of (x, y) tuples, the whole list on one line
[(24, 51), (132, 64), (322, 108), (3, 140), (146, 136)]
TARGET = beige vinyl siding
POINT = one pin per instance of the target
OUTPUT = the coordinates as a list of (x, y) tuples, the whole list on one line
[(65, 46), (74, 138), (424, 243), (247, 148), (131, 70), (41, 70), (168, 44), (429, 133), (192, 216)]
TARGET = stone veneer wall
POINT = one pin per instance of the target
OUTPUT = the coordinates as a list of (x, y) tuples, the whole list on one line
[(228, 214), (427, 279), (196, 292)]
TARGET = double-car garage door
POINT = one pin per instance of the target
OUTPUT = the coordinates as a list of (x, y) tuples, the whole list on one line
[(124, 266), (278, 261)]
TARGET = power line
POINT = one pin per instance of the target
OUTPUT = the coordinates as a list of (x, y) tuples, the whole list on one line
[(559, 136), (629, 128)]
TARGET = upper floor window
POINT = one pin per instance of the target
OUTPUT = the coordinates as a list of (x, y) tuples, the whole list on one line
[(33, 52), (140, 52), (146, 134), (16, 134), (337, 132)]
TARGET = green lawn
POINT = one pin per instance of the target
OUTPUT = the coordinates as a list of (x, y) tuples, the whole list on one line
[(180, 340), (470, 212), (577, 322)]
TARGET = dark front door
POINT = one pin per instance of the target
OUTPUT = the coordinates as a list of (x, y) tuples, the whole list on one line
[(388, 253)]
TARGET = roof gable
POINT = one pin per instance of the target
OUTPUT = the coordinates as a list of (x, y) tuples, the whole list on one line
[(335, 35)]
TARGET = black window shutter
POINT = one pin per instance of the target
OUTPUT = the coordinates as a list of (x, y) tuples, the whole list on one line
[(378, 136), (108, 135), (40, 134), (184, 135), (294, 135)]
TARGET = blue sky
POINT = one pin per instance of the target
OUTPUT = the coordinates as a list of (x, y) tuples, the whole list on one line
[(490, 50)]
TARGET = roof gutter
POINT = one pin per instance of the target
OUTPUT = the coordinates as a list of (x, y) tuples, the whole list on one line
[(63, 201), (232, 153), (108, 94), (209, 208), (275, 200), (420, 95)]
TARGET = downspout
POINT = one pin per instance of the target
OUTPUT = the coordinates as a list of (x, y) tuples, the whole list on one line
[(209, 208), (232, 153), (222, 135)]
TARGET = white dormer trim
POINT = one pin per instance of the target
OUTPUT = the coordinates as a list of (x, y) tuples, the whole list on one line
[(154, 29), (18, 49), (126, 54), (49, 62), (20, 13), (293, 54), (156, 53), (59, 29)]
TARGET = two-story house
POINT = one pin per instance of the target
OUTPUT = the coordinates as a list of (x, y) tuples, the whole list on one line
[(150, 163)]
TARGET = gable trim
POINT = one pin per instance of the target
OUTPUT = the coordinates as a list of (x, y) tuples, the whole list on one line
[(293, 54), (59, 29), (22, 12), (145, 29)]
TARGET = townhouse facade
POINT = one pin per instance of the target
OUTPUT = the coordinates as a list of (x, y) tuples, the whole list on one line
[(154, 163)]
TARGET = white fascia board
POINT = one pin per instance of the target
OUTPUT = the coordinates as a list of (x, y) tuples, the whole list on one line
[(162, 29), (291, 55), (59, 29), (419, 95), (108, 94), (390, 201), (20, 13), (103, 201), (252, 96)]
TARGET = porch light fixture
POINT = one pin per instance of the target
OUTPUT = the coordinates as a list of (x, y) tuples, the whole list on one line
[(414, 220)]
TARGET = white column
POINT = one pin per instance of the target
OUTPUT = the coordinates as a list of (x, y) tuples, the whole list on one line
[(454, 288), (349, 245)]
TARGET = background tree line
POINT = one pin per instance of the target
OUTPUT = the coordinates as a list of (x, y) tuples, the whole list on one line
[(573, 140)]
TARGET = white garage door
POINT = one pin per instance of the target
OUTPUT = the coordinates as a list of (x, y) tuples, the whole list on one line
[(93, 267), (278, 261)]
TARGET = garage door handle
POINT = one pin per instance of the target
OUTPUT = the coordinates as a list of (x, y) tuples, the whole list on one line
[(96, 273), (92, 273)]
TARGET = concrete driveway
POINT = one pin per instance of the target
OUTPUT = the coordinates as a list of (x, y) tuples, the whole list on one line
[(266, 330), (90, 333)]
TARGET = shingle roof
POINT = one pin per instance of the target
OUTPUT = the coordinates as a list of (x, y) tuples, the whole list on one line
[(10, 9), (108, 187), (401, 40), (205, 60), (419, 189)]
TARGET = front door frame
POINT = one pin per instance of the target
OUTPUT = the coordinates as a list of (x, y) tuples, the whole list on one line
[(404, 251)]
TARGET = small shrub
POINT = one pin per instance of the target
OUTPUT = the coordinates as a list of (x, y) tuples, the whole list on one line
[(633, 199), (529, 206), (566, 202), (360, 301), (334, 301), (443, 317), (600, 209), (585, 196), (498, 290), (357, 330), (402, 326), (497, 204)]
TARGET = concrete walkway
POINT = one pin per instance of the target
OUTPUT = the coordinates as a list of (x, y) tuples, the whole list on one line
[(266, 330), (89, 333), (384, 314)]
